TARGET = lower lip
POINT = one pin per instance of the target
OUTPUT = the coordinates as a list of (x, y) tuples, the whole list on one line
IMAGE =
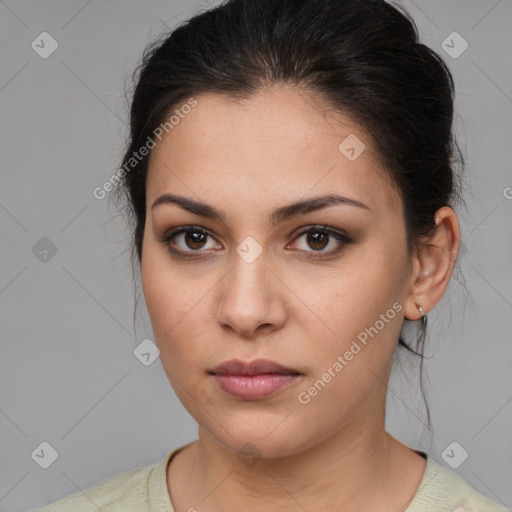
[(254, 387)]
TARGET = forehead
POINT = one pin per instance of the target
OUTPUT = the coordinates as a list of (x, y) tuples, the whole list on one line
[(278, 145)]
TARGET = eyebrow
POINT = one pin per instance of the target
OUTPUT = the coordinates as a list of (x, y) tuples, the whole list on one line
[(275, 217)]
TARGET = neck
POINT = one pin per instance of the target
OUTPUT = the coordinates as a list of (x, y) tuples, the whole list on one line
[(361, 467)]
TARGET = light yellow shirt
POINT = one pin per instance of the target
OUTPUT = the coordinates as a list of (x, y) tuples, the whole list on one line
[(145, 490)]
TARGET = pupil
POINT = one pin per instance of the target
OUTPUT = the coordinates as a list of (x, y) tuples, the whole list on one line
[(192, 238), (315, 239)]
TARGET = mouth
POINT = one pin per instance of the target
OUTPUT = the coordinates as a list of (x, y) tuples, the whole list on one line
[(257, 367), (253, 380)]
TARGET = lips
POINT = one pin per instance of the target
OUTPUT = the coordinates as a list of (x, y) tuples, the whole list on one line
[(255, 380), (256, 367)]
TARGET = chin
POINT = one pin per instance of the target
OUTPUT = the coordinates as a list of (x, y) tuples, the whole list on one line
[(260, 441)]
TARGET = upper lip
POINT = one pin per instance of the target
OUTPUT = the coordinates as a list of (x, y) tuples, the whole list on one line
[(256, 367)]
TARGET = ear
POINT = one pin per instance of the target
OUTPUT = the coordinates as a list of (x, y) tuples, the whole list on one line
[(433, 263)]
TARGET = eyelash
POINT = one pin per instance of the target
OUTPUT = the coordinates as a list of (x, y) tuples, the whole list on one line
[(167, 238)]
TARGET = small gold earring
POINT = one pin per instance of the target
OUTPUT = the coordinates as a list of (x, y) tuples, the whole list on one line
[(420, 309)]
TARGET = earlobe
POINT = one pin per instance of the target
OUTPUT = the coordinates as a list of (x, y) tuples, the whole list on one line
[(422, 313), (433, 264)]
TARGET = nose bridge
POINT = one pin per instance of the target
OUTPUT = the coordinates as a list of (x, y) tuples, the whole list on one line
[(249, 295)]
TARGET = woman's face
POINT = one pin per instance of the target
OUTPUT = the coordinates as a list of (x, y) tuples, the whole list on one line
[(251, 285)]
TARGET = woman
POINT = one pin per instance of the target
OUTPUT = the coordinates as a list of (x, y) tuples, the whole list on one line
[(289, 177)]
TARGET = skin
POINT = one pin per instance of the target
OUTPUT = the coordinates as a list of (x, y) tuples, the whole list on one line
[(247, 158)]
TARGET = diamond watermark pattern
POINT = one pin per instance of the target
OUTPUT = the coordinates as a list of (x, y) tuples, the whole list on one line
[(44, 45), (351, 147), (249, 455), (454, 45), (249, 249), (454, 455), (44, 250), (146, 352), (45, 455)]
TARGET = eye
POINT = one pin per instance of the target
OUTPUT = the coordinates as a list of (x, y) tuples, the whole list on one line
[(188, 240), (318, 238), (185, 241)]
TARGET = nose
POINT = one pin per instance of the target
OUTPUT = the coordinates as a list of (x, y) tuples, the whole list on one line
[(252, 299)]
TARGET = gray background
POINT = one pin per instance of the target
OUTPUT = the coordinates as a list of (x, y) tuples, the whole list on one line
[(68, 375)]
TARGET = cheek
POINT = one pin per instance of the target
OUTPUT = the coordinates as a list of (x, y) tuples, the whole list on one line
[(160, 287), (351, 366), (177, 307), (356, 294), (169, 293), (361, 308)]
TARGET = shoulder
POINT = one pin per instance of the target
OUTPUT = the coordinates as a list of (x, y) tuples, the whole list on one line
[(141, 489), (443, 490)]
